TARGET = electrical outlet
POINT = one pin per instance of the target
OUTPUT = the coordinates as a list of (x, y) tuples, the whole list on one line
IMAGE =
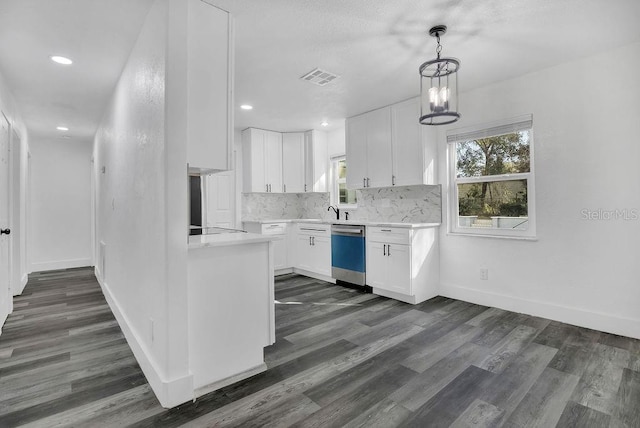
[(484, 274)]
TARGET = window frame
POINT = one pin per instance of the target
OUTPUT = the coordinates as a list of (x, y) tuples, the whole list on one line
[(493, 129), (335, 181)]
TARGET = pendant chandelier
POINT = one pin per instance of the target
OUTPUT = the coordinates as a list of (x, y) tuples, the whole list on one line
[(439, 86)]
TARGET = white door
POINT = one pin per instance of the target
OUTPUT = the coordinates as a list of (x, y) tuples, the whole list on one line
[(16, 203), (5, 159), (220, 201)]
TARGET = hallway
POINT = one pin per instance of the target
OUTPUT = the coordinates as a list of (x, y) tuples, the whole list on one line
[(62, 353)]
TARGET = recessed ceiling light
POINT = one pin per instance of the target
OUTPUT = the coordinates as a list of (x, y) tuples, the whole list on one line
[(246, 107), (324, 123), (61, 60), (62, 128)]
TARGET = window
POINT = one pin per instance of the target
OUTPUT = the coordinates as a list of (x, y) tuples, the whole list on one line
[(492, 179), (340, 194)]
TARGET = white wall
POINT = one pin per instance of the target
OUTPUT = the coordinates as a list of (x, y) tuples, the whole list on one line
[(586, 128), (60, 219), (141, 177)]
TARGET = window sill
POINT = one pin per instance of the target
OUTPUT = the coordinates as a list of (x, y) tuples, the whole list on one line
[(486, 235)]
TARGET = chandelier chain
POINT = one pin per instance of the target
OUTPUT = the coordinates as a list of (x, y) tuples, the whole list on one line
[(439, 47)]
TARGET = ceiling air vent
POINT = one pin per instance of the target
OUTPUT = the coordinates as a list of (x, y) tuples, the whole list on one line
[(319, 77)]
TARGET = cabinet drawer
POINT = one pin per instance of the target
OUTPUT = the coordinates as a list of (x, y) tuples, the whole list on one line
[(314, 229), (274, 229), (393, 235)]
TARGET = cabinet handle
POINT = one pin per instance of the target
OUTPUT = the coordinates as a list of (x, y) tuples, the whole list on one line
[(313, 241), (267, 186), (393, 180), (385, 230), (364, 182), (368, 182), (388, 249), (305, 187), (284, 188), (384, 249), (309, 241)]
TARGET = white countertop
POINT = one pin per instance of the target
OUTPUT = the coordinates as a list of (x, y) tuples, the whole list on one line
[(224, 239), (359, 222)]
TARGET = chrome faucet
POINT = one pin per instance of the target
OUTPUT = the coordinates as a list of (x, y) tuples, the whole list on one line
[(336, 210)]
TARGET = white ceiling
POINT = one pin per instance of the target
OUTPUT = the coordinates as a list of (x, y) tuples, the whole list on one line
[(375, 46)]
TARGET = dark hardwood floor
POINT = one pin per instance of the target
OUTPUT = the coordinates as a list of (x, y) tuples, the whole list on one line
[(342, 358)]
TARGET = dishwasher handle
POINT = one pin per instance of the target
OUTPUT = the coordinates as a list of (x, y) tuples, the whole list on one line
[(347, 231)]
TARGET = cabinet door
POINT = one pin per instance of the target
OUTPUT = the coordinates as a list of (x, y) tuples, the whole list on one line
[(316, 161), (398, 269), (407, 143), (273, 161), (379, 169), (376, 265), (254, 173), (356, 151), (209, 94), (280, 253), (321, 248), (293, 162), (304, 256)]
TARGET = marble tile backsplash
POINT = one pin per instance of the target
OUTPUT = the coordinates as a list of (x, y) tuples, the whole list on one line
[(271, 206), (401, 204), (408, 204)]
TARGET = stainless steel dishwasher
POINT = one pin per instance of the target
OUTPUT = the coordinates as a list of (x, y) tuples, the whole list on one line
[(348, 254)]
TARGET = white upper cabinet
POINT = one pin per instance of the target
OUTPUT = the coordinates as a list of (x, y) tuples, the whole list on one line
[(293, 162), (378, 148), (356, 151), (369, 149), (262, 160), (407, 143), (209, 88), (290, 162), (388, 147), (316, 161), (273, 160)]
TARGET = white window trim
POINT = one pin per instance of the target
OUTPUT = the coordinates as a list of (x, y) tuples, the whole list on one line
[(481, 131), (334, 184)]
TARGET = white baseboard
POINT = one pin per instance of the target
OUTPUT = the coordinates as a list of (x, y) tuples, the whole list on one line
[(23, 283), (170, 392), (314, 275), (230, 380), (575, 316), (60, 264)]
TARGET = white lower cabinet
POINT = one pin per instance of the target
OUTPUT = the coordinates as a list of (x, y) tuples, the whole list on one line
[(388, 267), (313, 248), (402, 263), (280, 246)]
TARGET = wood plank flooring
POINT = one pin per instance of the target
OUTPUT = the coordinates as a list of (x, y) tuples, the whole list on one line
[(342, 358)]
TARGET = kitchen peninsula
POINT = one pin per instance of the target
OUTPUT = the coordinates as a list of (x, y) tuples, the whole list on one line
[(231, 307)]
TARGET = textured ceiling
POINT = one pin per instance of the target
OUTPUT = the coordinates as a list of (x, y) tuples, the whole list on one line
[(97, 34), (375, 46)]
